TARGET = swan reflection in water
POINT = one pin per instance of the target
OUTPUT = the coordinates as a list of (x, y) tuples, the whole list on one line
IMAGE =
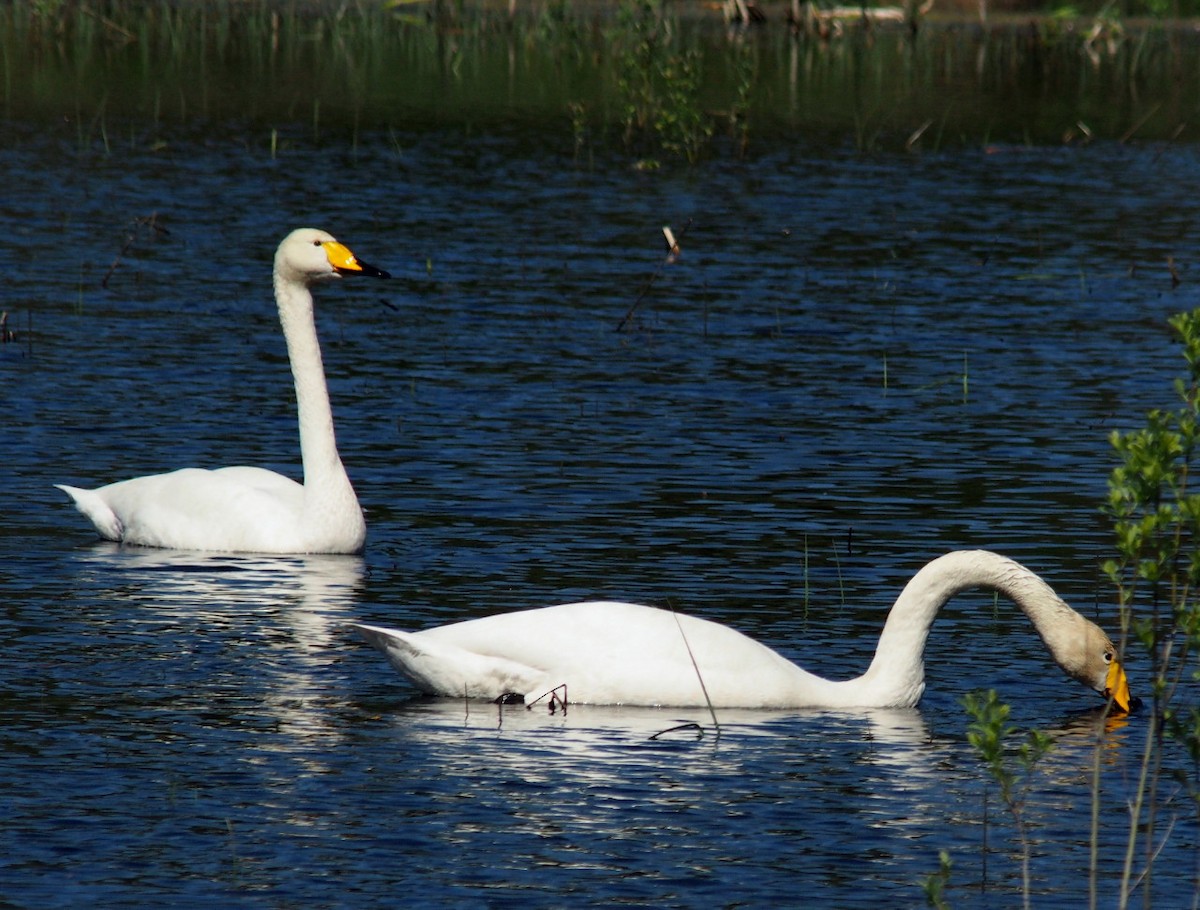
[(891, 733), (265, 634), (821, 776), (304, 599)]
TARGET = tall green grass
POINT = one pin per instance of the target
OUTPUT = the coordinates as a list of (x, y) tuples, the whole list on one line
[(661, 82)]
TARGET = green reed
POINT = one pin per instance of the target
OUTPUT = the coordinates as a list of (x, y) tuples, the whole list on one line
[(658, 84), (662, 83)]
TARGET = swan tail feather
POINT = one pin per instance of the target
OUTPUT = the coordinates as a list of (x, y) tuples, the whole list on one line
[(438, 668), (91, 504)]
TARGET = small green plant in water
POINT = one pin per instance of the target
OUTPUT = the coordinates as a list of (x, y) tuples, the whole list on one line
[(744, 67), (990, 733), (641, 36), (578, 113), (659, 85), (683, 128), (935, 884)]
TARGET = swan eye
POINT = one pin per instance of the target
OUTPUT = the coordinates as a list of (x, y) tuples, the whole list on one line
[(316, 243)]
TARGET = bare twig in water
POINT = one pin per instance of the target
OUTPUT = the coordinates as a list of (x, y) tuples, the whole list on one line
[(690, 725), (673, 253), (703, 688), (556, 700), (1128, 134), (504, 698), (113, 27), (916, 135), (151, 223)]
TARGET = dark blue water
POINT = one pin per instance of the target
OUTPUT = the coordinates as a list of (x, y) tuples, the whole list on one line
[(859, 362)]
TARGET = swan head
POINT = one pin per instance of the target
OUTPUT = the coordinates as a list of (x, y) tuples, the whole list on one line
[(1090, 657), (307, 255)]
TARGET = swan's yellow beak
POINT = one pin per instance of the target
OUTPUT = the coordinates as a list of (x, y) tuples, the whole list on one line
[(346, 263), (1117, 687)]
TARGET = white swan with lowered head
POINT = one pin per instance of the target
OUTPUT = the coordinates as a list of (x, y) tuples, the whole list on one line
[(612, 653), (247, 509)]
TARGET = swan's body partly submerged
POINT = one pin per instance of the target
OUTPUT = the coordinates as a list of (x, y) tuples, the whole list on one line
[(249, 509), (612, 653)]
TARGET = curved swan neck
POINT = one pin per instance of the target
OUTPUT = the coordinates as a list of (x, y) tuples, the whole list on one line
[(899, 657), (318, 443)]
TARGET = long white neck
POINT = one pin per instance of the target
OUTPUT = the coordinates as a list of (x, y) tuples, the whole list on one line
[(326, 485), (897, 673)]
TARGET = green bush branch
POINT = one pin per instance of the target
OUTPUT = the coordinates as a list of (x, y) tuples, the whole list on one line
[(990, 735), (1156, 520)]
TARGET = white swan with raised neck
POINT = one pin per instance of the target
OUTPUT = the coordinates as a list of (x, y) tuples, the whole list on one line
[(612, 653), (248, 509)]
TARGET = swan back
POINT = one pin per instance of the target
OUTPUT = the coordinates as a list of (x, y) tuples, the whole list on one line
[(605, 652)]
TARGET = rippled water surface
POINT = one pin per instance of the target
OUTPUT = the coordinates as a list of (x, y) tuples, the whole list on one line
[(859, 362)]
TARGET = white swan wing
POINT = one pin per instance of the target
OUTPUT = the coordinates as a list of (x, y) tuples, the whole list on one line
[(234, 509), (604, 652)]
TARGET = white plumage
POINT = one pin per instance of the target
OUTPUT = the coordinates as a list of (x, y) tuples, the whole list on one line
[(606, 652)]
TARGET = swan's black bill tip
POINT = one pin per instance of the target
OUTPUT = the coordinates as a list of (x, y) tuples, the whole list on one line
[(362, 268), (371, 272)]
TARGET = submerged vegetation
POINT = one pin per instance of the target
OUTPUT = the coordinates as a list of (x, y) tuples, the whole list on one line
[(657, 80)]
